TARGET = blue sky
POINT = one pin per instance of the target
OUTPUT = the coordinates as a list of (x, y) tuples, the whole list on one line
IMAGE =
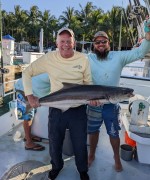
[(57, 6)]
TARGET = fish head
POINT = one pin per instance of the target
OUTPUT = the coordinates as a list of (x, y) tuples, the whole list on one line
[(120, 95)]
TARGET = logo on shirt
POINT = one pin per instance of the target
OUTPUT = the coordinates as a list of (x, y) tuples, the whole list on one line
[(78, 66)]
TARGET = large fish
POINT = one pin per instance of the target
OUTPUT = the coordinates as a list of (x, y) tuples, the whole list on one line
[(72, 95)]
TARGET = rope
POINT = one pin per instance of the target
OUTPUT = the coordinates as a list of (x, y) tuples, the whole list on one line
[(1, 101)]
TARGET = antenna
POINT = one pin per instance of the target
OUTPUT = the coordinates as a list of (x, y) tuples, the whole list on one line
[(1, 36), (147, 3), (1, 66), (119, 47)]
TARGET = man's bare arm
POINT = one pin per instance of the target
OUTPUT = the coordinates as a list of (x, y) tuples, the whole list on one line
[(33, 101)]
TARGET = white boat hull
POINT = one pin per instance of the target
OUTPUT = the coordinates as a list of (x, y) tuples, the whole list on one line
[(8, 121), (40, 122), (140, 85)]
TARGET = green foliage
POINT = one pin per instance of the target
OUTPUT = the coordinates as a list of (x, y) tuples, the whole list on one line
[(26, 25)]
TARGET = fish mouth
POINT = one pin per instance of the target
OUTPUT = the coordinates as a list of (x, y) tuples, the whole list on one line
[(131, 95)]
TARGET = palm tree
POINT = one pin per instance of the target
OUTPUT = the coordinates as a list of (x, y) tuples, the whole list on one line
[(85, 22), (112, 22), (96, 22), (84, 15), (33, 24), (85, 12), (49, 23), (5, 20), (70, 20), (19, 19), (68, 17)]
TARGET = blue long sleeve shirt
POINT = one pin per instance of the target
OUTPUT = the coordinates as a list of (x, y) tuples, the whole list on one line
[(40, 85), (108, 71)]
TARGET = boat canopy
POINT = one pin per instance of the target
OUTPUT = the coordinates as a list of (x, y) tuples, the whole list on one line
[(8, 37)]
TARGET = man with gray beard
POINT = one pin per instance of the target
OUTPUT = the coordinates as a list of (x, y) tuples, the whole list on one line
[(106, 67)]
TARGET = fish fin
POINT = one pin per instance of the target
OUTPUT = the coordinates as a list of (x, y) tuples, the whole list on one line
[(69, 85)]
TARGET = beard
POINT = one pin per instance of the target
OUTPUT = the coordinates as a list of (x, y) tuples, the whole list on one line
[(101, 55)]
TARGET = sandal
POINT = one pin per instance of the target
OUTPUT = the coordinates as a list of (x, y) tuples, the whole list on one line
[(37, 147), (34, 139)]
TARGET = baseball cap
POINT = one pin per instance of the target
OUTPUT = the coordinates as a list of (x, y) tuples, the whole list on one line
[(65, 29), (100, 34)]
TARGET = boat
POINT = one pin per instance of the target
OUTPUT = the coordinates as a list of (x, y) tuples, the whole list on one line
[(20, 164), (12, 64), (136, 75), (135, 114)]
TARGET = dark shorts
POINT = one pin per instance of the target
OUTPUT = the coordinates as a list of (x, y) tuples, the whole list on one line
[(21, 107), (109, 114)]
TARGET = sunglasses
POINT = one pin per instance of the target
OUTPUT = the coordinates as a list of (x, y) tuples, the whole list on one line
[(100, 42)]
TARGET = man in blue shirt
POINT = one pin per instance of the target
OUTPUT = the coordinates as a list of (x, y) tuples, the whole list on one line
[(41, 87), (106, 67)]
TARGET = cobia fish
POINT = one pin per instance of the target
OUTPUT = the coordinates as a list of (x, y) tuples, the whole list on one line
[(72, 95)]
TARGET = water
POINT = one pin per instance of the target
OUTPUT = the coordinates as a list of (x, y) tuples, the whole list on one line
[(4, 108)]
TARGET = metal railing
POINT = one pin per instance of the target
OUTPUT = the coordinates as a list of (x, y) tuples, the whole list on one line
[(136, 70), (10, 92)]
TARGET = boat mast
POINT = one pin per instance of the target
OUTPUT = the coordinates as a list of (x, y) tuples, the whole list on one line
[(1, 61), (2, 69), (119, 47), (147, 3), (1, 36), (128, 27), (136, 15)]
